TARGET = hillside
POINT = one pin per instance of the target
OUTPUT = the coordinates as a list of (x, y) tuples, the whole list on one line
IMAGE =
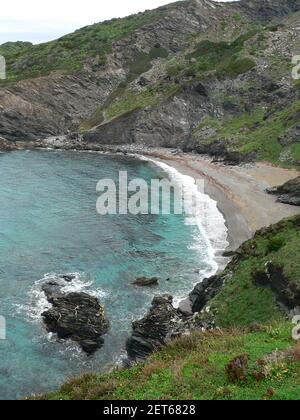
[(253, 310), (198, 75)]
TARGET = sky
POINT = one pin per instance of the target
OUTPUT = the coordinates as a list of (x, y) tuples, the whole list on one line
[(40, 21)]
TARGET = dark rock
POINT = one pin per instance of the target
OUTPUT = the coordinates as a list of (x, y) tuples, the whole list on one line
[(286, 291), (143, 81), (204, 292), (291, 136), (75, 316), (288, 193), (154, 330), (146, 282), (68, 278), (201, 89), (161, 325), (6, 146)]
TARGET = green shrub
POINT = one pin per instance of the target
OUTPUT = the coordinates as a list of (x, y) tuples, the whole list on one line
[(237, 67), (275, 244)]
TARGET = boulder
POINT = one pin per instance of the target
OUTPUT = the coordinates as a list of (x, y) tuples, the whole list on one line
[(146, 282), (162, 324), (205, 292), (75, 316), (6, 146), (288, 193), (154, 330)]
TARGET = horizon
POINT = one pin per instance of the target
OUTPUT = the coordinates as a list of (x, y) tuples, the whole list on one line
[(36, 23)]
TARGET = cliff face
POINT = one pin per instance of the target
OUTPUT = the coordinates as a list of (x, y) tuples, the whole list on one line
[(187, 75)]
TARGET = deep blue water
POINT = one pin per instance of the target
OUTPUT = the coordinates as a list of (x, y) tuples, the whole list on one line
[(49, 224)]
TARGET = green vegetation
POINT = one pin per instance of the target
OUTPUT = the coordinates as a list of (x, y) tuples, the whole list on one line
[(202, 366), (69, 53), (253, 132), (222, 58), (241, 301), (143, 61), (125, 100), (194, 367)]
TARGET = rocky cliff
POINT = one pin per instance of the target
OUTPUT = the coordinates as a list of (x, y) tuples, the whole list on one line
[(197, 74)]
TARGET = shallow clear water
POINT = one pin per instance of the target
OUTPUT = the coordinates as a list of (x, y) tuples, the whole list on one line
[(49, 224)]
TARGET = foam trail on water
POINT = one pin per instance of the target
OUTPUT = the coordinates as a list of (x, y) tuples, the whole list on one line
[(206, 216), (37, 301)]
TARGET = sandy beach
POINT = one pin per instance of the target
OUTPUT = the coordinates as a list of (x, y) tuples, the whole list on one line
[(239, 191)]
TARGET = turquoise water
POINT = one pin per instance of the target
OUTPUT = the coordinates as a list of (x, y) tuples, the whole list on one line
[(49, 224)]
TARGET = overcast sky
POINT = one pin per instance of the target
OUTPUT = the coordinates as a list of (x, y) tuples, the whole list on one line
[(41, 21)]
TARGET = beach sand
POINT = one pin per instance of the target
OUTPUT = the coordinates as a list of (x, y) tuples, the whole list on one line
[(239, 191)]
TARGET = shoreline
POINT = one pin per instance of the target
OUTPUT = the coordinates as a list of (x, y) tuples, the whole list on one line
[(239, 191)]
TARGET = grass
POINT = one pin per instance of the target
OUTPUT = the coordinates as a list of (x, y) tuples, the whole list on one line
[(251, 132), (69, 53), (199, 366), (125, 101), (242, 302), (194, 368), (223, 58)]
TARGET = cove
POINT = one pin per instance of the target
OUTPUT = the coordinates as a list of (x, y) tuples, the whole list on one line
[(49, 225)]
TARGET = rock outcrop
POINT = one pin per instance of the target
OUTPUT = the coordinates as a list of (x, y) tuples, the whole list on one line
[(286, 290), (75, 316), (6, 146), (146, 282), (162, 324), (53, 104), (289, 193)]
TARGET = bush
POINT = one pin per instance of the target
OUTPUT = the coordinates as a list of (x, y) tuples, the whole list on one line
[(275, 244)]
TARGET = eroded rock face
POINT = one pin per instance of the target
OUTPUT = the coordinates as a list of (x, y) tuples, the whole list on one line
[(286, 291), (51, 105), (6, 146), (204, 292), (289, 193), (162, 324), (75, 316), (154, 330)]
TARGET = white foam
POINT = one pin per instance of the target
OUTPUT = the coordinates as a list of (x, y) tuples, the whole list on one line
[(206, 216), (37, 302)]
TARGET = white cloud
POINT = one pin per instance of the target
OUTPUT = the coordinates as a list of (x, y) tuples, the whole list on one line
[(40, 21)]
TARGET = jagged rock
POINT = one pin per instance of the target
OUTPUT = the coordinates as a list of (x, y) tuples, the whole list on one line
[(288, 193), (162, 324), (6, 146), (51, 105), (291, 136), (204, 292), (75, 316), (146, 282), (201, 89), (286, 291), (154, 330)]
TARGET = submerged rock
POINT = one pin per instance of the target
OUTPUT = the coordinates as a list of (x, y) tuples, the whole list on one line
[(75, 316), (288, 193), (146, 282)]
